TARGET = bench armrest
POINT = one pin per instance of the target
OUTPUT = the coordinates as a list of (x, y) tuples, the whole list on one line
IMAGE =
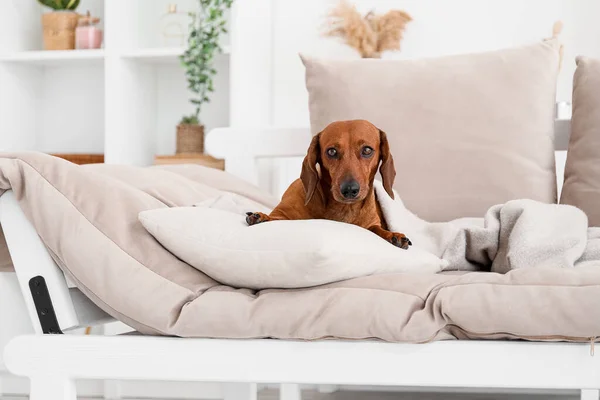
[(242, 148)]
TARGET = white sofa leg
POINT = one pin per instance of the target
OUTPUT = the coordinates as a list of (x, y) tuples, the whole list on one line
[(240, 391), (590, 394), (290, 391), (52, 388)]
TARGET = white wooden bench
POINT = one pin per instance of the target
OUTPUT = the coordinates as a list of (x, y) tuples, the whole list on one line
[(54, 361)]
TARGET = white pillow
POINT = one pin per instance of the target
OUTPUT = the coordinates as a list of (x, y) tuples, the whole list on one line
[(278, 254)]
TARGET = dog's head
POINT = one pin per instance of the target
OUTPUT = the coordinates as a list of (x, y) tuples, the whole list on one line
[(348, 154)]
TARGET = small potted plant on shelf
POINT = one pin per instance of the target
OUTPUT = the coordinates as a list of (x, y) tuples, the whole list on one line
[(60, 24), (203, 44)]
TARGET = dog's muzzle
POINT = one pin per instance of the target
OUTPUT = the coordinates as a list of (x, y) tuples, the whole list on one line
[(350, 189)]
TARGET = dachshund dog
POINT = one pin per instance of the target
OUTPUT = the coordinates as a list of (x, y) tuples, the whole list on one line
[(348, 154)]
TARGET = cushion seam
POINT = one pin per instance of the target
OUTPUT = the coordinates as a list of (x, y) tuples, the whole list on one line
[(439, 289), (343, 288)]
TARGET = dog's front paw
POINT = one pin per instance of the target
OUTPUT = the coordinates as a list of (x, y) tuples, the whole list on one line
[(400, 240), (253, 218)]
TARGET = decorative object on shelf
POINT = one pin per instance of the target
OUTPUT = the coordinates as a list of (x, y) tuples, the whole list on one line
[(557, 28), (81, 159), (173, 27), (88, 35), (59, 25), (205, 28), (371, 34), (191, 158), (190, 137)]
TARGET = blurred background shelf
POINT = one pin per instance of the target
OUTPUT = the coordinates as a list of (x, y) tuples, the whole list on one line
[(190, 158), (160, 55), (123, 100), (81, 159), (55, 58)]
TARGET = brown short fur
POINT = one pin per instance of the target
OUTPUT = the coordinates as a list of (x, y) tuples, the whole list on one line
[(318, 192)]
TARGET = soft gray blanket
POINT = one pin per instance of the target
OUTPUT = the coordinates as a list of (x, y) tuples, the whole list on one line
[(517, 234)]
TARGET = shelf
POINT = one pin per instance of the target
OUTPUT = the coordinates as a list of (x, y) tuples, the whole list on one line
[(200, 159), (160, 55), (55, 58)]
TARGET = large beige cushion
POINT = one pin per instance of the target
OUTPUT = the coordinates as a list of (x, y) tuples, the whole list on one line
[(581, 187), (88, 219), (216, 240), (466, 132)]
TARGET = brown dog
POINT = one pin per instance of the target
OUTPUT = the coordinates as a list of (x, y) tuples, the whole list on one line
[(348, 154)]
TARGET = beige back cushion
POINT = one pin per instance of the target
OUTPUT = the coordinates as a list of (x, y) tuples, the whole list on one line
[(581, 187), (466, 131)]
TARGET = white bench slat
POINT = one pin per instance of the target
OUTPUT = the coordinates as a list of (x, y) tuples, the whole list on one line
[(483, 364)]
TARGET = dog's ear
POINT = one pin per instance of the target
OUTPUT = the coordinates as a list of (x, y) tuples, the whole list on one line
[(309, 175), (387, 169)]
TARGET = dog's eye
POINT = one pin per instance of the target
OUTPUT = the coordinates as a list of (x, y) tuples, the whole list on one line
[(331, 152), (367, 151)]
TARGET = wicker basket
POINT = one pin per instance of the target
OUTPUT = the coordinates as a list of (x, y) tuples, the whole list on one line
[(59, 30), (190, 139)]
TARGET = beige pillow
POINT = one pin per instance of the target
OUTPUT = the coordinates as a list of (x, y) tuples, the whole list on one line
[(581, 187), (466, 131), (215, 239)]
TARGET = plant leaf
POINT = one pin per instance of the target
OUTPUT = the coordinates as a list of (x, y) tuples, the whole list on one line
[(72, 5), (206, 25)]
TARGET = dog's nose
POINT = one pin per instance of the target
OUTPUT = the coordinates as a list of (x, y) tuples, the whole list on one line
[(350, 189)]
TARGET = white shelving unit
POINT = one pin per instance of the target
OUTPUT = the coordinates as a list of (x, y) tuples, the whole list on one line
[(123, 100), (160, 55), (54, 58)]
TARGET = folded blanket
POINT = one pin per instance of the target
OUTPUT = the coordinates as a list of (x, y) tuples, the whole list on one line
[(517, 234)]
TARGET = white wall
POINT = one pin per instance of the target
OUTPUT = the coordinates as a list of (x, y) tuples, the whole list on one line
[(74, 94), (173, 102), (440, 27), (171, 87)]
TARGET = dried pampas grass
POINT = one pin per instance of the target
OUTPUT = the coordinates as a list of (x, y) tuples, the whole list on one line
[(556, 31), (370, 35)]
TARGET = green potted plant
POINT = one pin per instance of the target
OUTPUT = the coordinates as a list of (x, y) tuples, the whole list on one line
[(206, 26), (60, 24)]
